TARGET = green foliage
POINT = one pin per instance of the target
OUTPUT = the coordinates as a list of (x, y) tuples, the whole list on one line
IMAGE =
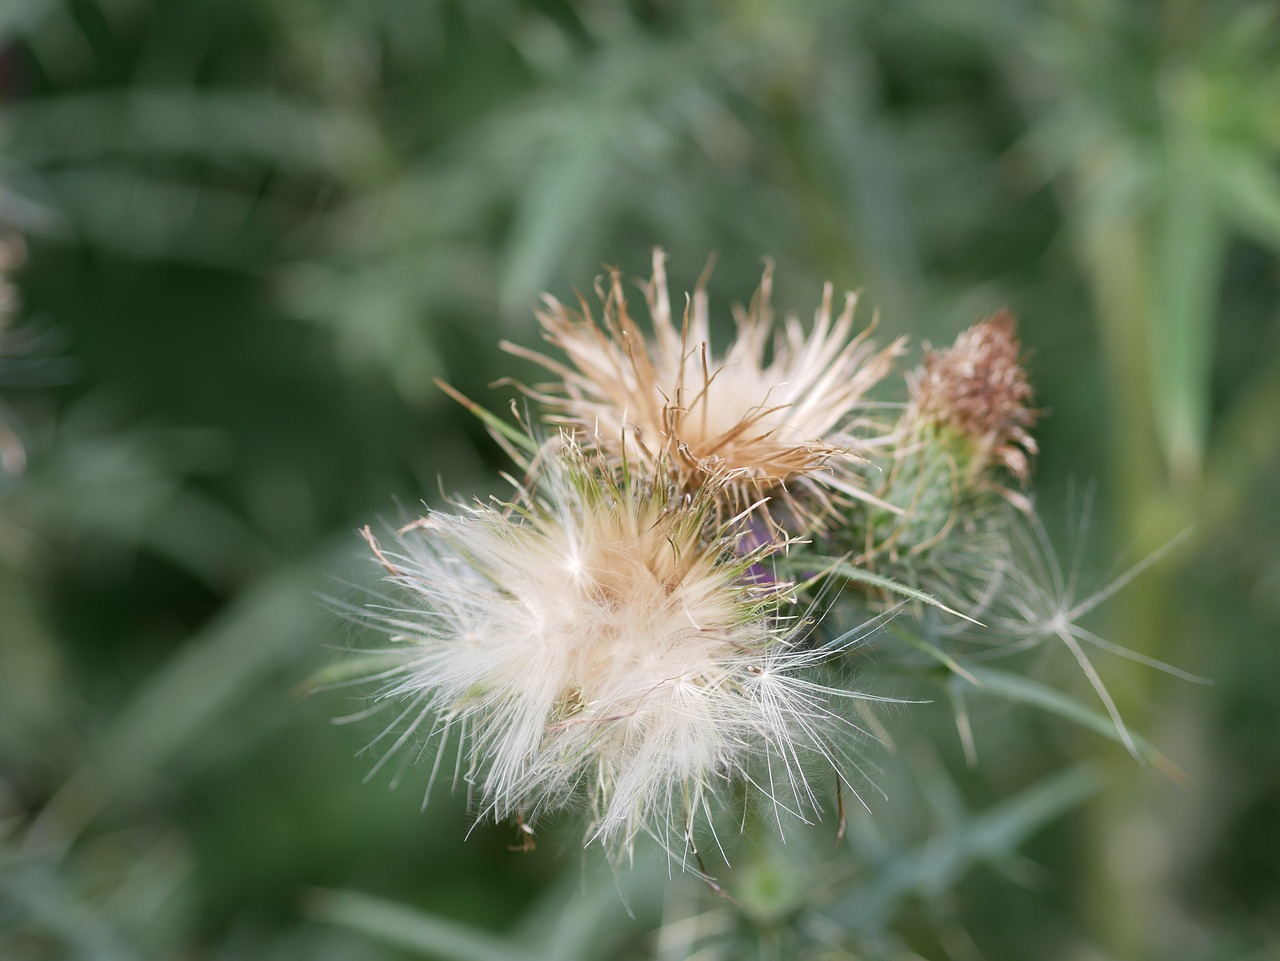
[(260, 230)]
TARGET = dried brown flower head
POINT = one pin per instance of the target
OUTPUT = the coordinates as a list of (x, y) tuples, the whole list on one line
[(977, 389), (772, 418)]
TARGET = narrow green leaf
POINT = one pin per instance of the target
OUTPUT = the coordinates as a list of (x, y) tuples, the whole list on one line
[(19, 18), (1191, 245), (1249, 191), (47, 904), (941, 862), (425, 934), (584, 918), (179, 703), (856, 575), (557, 211), (230, 126), (350, 669), (939, 655), (1023, 690), (512, 438)]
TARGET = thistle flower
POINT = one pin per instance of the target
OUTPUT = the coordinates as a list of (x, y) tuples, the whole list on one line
[(977, 398), (773, 417), (588, 646)]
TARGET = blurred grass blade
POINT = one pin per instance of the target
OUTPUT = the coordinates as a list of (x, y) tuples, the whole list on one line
[(584, 918), (257, 633), (16, 18), (556, 211), (44, 902), (1023, 690), (1191, 245), (421, 933), (1249, 189), (938, 654), (942, 861), (131, 489), (227, 126), (350, 670)]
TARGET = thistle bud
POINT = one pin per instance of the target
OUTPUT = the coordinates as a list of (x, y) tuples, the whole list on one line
[(975, 400), (968, 418)]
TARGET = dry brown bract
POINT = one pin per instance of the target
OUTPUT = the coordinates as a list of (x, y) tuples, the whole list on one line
[(772, 418)]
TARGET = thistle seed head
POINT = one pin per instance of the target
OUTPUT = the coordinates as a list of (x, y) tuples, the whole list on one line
[(588, 645)]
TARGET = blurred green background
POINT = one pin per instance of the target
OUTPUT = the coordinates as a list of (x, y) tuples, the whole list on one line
[(256, 230)]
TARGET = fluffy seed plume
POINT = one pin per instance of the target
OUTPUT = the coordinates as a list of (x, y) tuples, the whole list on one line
[(771, 418), (587, 646)]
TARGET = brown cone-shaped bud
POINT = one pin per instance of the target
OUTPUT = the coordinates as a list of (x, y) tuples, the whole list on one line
[(978, 389)]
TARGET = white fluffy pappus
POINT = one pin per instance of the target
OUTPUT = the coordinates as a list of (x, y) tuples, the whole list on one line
[(591, 646)]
